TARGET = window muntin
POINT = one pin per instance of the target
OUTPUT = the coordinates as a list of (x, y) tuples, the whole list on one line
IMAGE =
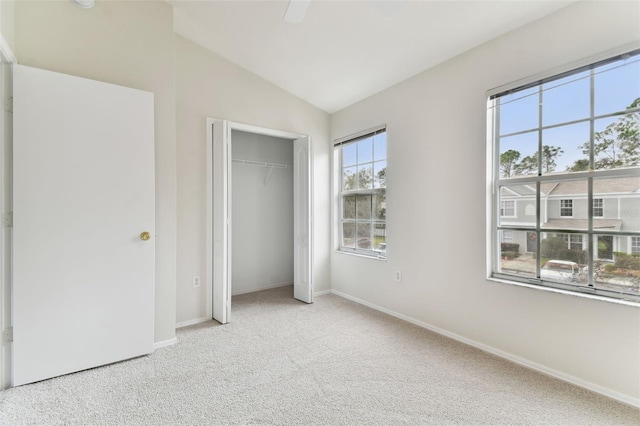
[(562, 146), (362, 165)]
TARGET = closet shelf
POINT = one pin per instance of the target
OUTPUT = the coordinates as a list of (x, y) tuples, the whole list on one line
[(260, 164), (269, 166)]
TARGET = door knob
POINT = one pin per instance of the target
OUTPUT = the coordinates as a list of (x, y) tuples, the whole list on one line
[(145, 236)]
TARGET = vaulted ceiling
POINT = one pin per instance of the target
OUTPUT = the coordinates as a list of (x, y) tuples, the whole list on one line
[(345, 51)]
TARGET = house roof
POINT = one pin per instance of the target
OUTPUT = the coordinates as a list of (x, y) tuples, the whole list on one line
[(582, 224), (624, 185)]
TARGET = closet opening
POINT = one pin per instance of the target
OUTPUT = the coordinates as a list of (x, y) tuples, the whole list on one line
[(259, 213)]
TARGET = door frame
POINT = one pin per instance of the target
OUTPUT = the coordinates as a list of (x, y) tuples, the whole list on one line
[(221, 195), (7, 59)]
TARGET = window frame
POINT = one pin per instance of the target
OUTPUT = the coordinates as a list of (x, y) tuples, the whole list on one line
[(503, 209), (598, 206), (495, 182), (634, 245), (566, 205), (338, 146)]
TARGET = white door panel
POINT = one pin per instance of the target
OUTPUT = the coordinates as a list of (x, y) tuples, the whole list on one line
[(83, 193), (221, 214), (302, 284)]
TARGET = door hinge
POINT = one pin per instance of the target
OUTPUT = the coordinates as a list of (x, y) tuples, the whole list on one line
[(7, 335), (8, 105), (8, 220)]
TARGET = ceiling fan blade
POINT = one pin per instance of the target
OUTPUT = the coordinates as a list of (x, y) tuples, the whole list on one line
[(296, 11)]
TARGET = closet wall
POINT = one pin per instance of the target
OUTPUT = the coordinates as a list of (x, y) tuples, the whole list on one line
[(262, 213)]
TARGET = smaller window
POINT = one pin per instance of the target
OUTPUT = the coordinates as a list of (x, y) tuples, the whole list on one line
[(598, 210), (566, 208), (362, 168), (507, 208), (574, 241), (635, 246), (507, 236)]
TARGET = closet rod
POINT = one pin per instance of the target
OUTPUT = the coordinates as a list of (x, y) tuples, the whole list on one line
[(260, 164)]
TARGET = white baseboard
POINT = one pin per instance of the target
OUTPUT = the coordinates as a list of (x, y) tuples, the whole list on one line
[(192, 322), (322, 293), (162, 344), (629, 400), (254, 289)]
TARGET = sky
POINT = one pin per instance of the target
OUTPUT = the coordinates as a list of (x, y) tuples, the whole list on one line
[(616, 86)]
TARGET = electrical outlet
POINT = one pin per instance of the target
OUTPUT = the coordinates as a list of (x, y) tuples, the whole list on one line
[(195, 281), (398, 276)]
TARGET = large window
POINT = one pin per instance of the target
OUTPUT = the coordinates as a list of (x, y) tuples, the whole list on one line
[(362, 169), (561, 146)]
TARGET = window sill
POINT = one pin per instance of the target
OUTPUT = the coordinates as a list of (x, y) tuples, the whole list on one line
[(566, 292), (366, 256)]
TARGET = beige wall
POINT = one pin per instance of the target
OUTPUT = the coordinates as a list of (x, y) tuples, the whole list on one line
[(7, 22), (209, 86), (436, 209), (130, 44)]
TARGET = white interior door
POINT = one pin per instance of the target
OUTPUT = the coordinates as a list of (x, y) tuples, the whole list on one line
[(83, 277), (302, 221), (221, 222)]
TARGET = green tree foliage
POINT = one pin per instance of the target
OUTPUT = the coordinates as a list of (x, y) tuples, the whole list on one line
[(509, 164), (364, 179), (618, 145)]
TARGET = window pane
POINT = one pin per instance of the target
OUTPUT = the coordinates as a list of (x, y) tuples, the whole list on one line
[(519, 111), (518, 155), (364, 235), (349, 207), (517, 253), (349, 155), (617, 141), (566, 99), (564, 204), (380, 174), (380, 237), (380, 146), (564, 257), (365, 177), (517, 205), (565, 148), (620, 203), (617, 86), (349, 234), (349, 178), (365, 151), (363, 207), (380, 207), (623, 273)]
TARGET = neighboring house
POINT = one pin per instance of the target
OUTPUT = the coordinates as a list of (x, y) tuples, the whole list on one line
[(616, 207)]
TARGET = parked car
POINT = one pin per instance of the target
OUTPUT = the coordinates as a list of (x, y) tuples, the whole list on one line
[(563, 271)]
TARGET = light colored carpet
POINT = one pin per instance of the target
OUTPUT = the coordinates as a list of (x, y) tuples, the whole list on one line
[(332, 363)]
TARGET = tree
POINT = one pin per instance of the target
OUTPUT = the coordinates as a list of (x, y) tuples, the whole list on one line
[(549, 154), (360, 180), (580, 165), (508, 162), (529, 164), (618, 145)]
